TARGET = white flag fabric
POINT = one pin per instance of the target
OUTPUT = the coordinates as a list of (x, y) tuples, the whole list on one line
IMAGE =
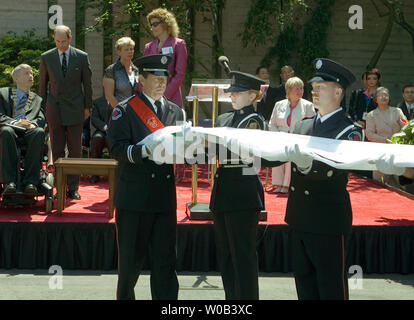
[(341, 154)]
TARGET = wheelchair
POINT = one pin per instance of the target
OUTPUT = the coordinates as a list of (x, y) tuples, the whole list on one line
[(44, 187)]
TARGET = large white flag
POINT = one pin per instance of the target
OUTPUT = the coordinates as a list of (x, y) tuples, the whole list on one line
[(177, 143)]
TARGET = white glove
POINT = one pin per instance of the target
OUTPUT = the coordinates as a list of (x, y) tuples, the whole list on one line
[(386, 165), (302, 160)]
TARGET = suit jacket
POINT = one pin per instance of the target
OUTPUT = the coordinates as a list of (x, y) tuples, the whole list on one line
[(318, 202), (408, 114), (278, 120), (271, 96), (35, 113), (232, 190), (100, 115), (176, 68), (358, 105), (142, 185), (66, 97)]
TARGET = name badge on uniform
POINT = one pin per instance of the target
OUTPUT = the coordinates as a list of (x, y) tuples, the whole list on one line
[(364, 116), (167, 50)]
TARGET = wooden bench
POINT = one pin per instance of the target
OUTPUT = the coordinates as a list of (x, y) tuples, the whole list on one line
[(90, 166)]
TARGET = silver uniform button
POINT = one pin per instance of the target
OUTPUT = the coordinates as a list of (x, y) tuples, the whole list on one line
[(307, 192), (153, 175), (216, 175), (292, 188), (294, 169), (329, 173), (168, 176)]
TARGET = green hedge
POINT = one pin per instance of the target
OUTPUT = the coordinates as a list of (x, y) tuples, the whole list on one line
[(16, 49)]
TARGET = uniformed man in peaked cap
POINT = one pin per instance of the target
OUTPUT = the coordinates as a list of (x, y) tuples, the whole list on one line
[(237, 198), (145, 195), (319, 209)]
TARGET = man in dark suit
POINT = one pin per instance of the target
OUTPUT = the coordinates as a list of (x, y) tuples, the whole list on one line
[(274, 94), (407, 105), (22, 109), (100, 116), (145, 195), (319, 208), (66, 88)]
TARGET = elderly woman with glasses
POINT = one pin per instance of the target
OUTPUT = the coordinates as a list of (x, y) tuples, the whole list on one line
[(383, 121), (165, 29)]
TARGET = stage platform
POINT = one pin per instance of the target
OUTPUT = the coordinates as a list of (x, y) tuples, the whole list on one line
[(84, 237)]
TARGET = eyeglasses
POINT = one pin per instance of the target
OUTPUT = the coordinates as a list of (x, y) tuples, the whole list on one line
[(155, 24)]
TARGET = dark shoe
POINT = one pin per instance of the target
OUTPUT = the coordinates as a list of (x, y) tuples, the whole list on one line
[(94, 179), (73, 195), (30, 189), (10, 188)]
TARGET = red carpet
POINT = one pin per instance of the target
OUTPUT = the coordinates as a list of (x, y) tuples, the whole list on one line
[(373, 204)]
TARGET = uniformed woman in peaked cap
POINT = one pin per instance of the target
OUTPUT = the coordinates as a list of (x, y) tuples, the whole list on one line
[(237, 198)]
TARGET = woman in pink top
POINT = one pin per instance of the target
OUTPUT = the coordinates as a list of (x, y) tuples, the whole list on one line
[(165, 29)]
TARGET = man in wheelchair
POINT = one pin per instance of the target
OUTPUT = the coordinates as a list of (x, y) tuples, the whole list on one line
[(22, 123)]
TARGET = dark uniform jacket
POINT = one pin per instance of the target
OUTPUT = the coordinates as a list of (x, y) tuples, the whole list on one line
[(318, 201), (35, 112), (66, 98), (100, 115), (142, 185), (233, 191)]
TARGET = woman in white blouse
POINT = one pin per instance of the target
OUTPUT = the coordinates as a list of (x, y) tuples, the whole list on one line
[(284, 116), (383, 122)]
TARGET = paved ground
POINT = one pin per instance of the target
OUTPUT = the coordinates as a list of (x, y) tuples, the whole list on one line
[(93, 285)]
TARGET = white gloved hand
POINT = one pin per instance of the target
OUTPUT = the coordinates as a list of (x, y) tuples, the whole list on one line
[(302, 160), (386, 165)]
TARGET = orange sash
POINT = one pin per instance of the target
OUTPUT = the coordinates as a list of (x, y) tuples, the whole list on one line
[(148, 118)]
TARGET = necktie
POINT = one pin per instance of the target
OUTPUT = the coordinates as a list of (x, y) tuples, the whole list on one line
[(64, 64), (21, 104), (159, 110), (318, 123), (289, 118)]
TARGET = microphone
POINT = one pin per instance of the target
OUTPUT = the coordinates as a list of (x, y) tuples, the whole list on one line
[(224, 61)]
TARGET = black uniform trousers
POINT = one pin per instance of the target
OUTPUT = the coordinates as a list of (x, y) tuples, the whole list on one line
[(319, 266), (34, 139), (139, 233), (237, 253)]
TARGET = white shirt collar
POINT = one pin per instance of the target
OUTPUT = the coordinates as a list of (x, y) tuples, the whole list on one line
[(20, 93), (327, 116), (409, 106), (153, 101), (66, 54)]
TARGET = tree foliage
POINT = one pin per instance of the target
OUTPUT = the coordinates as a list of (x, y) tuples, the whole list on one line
[(16, 49)]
